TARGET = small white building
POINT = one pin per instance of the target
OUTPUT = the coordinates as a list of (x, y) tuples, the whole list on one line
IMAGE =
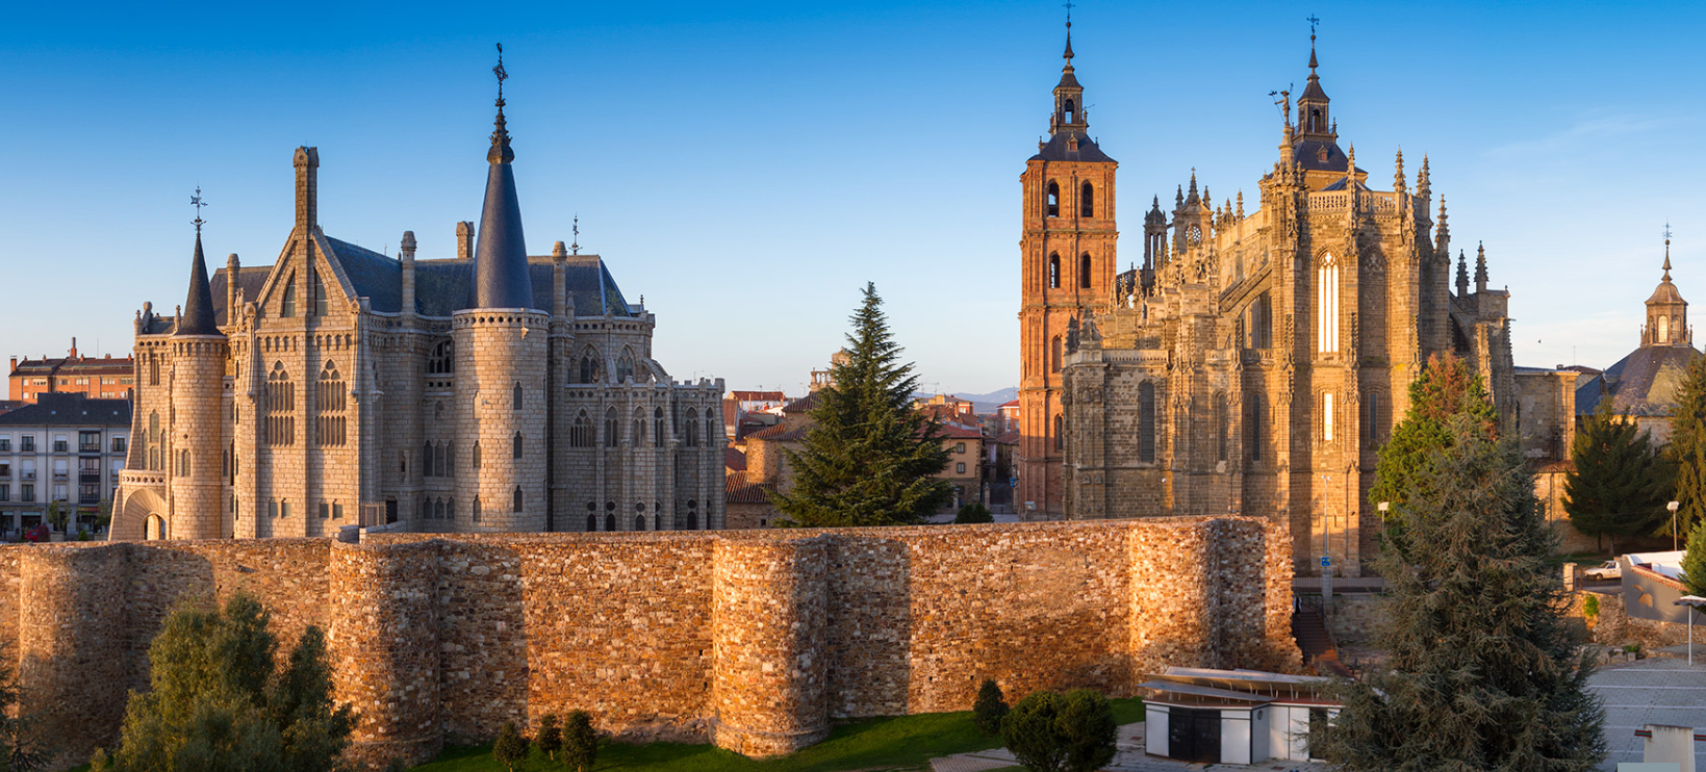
[(1232, 716)]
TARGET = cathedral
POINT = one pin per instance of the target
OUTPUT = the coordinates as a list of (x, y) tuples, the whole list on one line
[(494, 391), (1256, 360)]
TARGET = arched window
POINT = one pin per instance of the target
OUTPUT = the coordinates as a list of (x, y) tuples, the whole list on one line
[(476, 512), (1220, 428), (516, 504), (625, 366), (1253, 426), (515, 452), (1261, 322), (1146, 422), (612, 431), (1054, 271), (1664, 329), (330, 398), (319, 294), (281, 407), (1054, 355), (609, 522), (589, 366), (639, 427), (1053, 199), (443, 359), (591, 523), (1059, 431), (153, 369), (1371, 418), (657, 427), (183, 463), (1084, 271), (476, 454), (440, 461), (154, 426), (692, 521), (639, 522), (287, 308), (580, 435), (1327, 417), (691, 428), (438, 509), (1327, 306), (426, 460), (515, 398), (1087, 201)]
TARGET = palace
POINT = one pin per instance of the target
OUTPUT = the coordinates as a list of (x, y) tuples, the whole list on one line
[(1255, 361), (495, 391)]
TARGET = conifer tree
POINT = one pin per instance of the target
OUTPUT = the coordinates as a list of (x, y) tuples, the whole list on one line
[(1484, 672), (1446, 387), (868, 457), (1694, 563), (1620, 484), (510, 747), (1688, 448), (549, 738), (580, 743)]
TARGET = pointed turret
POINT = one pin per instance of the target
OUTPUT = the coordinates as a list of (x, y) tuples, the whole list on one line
[(1312, 105), (198, 307), (1398, 183), (1462, 275), (1424, 183), (1480, 267), (501, 278)]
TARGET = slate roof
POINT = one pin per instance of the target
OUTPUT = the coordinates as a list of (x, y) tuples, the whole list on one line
[(1645, 383), (802, 405), (1057, 149), (1344, 183), (198, 306), (1307, 152), (69, 409), (69, 366)]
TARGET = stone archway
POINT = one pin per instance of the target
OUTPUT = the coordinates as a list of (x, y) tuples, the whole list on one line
[(154, 527), (132, 521)]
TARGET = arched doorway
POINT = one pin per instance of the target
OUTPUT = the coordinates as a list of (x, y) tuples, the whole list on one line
[(154, 527)]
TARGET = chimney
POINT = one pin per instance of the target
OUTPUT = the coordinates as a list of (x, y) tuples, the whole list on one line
[(464, 240), (307, 188), (408, 260), (232, 268), (73, 348), (14, 364)]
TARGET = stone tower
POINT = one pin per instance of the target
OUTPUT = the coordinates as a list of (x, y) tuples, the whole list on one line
[(1667, 313), (195, 442), (502, 348), (1067, 249)]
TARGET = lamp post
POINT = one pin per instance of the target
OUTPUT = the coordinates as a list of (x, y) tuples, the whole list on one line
[(1672, 507), (1693, 602)]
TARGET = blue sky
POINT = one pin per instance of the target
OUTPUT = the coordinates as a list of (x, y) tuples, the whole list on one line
[(747, 167)]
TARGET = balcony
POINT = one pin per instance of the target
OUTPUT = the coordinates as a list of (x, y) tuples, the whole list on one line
[(27, 447), (91, 449), (29, 498), (89, 477), (61, 476), (5, 446), (27, 474), (96, 499)]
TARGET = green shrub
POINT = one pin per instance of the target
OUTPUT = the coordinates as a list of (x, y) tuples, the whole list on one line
[(974, 512), (549, 736), (580, 742), (990, 707), (510, 746), (1074, 732), (1590, 606)]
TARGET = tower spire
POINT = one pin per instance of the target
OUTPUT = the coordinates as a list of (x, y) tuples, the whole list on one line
[(1313, 20), (500, 131), (501, 277), (1068, 54), (1667, 252), (197, 315)]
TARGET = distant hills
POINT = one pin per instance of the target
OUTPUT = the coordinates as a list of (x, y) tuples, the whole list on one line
[(983, 403)]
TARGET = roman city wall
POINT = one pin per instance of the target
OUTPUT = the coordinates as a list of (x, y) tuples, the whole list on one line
[(754, 640)]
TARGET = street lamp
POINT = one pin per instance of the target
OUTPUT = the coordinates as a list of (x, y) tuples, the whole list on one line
[(1672, 507), (1693, 602)]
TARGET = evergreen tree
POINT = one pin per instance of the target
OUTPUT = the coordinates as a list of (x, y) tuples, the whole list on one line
[(1072, 732), (1445, 387), (549, 738), (990, 708), (510, 746), (1620, 485), (1484, 672), (1694, 563), (868, 458), (1688, 448), (219, 701), (580, 743), (974, 512)]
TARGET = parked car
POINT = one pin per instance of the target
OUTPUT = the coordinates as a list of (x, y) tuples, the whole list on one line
[(1604, 571)]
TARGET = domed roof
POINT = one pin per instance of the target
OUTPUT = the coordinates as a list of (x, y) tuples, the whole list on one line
[(1666, 293)]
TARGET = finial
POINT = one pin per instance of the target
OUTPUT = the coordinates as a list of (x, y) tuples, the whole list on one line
[(576, 246), (1398, 175), (1240, 204), (1313, 20), (1068, 54), (1480, 267), (1667, 251), (500, 152), (196, 202)]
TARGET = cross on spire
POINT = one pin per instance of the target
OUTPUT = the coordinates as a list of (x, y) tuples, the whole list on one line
[(502, 74), (196, 202)]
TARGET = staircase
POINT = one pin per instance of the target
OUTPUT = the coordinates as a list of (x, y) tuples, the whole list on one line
[(1309, 627)]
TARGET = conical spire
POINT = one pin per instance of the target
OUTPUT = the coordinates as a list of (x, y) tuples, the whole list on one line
[(501, 278), (1398, 184), (1192, 198), (198, 307), (1462, 274), (1480, 267), (1667, 252)]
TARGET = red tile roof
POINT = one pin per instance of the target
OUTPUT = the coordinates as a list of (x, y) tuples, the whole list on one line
[(801, 405), (734, 459), (1013, 404), (779, 433), (952, 432), (739, 492), (1010, 438), (758, 396)]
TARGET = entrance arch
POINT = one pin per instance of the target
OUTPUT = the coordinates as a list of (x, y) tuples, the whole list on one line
[(154, 527), (134, 518)]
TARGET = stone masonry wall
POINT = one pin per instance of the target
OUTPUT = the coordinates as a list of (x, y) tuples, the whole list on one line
[(754, 640)]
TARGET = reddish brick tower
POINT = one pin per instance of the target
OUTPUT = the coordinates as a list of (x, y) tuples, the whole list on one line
[(1067, 252)]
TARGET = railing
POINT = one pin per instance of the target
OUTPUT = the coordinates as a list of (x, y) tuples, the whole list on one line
[(28, 447), (95, 448), (61, 476), (61, 447), (27, 474)]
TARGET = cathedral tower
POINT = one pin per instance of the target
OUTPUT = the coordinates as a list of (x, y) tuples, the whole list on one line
[(1667, 313), (1067, 250), (198, 352)]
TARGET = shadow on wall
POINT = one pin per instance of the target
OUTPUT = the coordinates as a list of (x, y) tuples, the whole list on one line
[(870, 672)]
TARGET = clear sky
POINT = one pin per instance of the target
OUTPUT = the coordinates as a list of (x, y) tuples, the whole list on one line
[(747, 167)]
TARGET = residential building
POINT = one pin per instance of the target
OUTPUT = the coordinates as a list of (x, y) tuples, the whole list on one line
[(67, 448), (97, 377)]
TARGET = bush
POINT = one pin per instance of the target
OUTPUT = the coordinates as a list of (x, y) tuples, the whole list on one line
[(1590, 606), (580, 742), (549, 736), (1049, 732), (510, 747), (974, 512), (990, 707)]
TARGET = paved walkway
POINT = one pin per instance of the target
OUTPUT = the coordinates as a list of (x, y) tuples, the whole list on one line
[(1131, 758), (1649, 691)]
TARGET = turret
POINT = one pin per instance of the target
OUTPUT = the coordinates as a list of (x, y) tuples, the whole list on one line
[(233, 298), (501, 278), (1480, 267), (407, 257), (197, 387), (1667, 312), (1462, 276)]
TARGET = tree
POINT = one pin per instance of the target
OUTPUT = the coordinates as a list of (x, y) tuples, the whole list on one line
[(510, 746), (1049, 732), (220, 702), (974, 512), (1484, 672), (1694, 562), (990, 708), (580, 742), (1688, 447), (868, 457), (1620, 484), (1446, 387), (549, 736)]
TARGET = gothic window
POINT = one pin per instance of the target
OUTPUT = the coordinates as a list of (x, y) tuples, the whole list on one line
[(515, 452), (692, 521), (692, 429), (609, 522), (657, 427), (288, 307), (639, 427), (154, 439), (589, 366), (639, 522), (1066, 111), (153, 369), (1220, 429), (710, 430), (1053, 199), (1084, 271), (611, 430), (1087, 201), (183, 469), (580, 435), (591, 523), (517, 503), (426, 460), (1146, 422), (1054, 355), (1253, 427), (476, 512), (443, 359), (281, 406), (476, 454), (1059, 432), (319, 294), (440, 461), (515, 398), (330, 398), (1261, 322), (1327, 306), (1326, 417), (625, 366), (1371, 417), (1054, 271)]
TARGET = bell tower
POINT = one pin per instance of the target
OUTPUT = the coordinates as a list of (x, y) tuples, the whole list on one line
[(1667, 312), (1067, 256)]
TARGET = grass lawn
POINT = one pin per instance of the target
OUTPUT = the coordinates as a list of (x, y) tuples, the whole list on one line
[(897, 743)]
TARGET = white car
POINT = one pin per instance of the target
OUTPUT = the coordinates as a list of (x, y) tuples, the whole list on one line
[(1607, 570)]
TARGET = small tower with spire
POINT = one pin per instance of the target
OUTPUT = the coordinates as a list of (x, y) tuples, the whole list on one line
[(1667, 312), (192, 450)]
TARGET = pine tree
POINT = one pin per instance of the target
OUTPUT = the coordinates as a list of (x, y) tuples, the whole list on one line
[(1694, 562), (1688, 448), (990, 707), (510, 747), (580, 743), (1446, 387), (1484, 672), (1620, 484), (549, 738), (868, 458)]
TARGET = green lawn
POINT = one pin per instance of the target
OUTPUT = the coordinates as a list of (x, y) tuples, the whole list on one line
[(898, 743)]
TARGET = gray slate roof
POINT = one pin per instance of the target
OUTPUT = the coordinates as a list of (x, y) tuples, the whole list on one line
[(69, 409), (1056, 149), (1645, 383)]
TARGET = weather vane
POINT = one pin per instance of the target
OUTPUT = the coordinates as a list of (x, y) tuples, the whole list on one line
[(1068, 7), (1312, 22), (1667, 231), (500, 72), (196, 202), (576, 246)]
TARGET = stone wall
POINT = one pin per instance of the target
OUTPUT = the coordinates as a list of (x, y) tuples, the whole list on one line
[(755, 640)]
